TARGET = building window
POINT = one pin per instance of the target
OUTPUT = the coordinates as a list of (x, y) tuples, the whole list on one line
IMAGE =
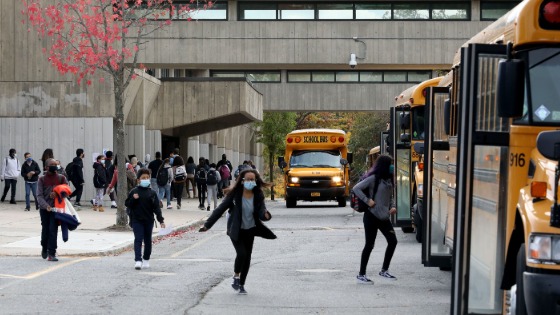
[(322, 76), (411, 11), (164, 73), (347, 76), (493, 10), (253, 10), (335, 11), (292, 11), (371, 76), (394, 76), (253, 76), (218, 11), (358, 76), (299, 76), (418, 76)]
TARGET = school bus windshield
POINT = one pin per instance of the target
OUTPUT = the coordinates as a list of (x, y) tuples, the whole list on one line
[(315, 159), (544, 75), (418, 123)]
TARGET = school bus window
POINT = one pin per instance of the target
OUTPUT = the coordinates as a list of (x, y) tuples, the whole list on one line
[(315, 159), (418, 123), (544, 75)]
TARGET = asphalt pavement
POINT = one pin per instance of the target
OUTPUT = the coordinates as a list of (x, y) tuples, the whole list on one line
[(20, 231)]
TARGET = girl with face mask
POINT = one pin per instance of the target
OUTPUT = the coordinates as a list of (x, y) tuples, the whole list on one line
[(143, 204), (99, 182), (379, 188), (247, 210)]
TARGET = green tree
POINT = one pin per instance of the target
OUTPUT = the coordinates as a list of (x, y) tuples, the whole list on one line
[(365, 134), (272, 132)]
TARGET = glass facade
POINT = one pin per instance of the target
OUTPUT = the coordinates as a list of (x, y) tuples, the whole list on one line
[(358, 76), (252, 10), (493, 10), (253, 76)]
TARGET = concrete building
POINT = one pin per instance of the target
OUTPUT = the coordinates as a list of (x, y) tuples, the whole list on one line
[(211, 77)]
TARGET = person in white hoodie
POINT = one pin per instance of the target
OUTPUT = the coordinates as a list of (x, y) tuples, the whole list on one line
[(9, 172)]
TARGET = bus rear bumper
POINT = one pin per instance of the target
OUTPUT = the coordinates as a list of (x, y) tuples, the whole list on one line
[(311, 194), (542, 293)]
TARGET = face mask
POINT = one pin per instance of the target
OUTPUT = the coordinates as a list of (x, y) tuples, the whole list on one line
[(391, 169), (29, 159), (145, 183), (52, 168), (58, 167), (249, 185), (102, 161)]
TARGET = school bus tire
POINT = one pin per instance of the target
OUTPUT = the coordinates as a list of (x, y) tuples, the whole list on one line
[(291, 202), (520, 305), (341, 201), (407, 229), (418, 223)]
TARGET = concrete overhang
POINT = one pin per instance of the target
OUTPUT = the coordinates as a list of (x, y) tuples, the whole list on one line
[(195, 106)]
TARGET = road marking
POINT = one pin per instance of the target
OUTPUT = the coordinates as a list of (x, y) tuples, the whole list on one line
[(319, 270), (158, 273), (43, 272), (192, 259), (195, 245)]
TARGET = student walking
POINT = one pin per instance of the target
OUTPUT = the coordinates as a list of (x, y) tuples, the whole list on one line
[(379, 186), (154, 167), (77, 177), (179, 178), (9, 172), (212, 180), (164, 179), (143, 204), (99, 182), (110, 169), (245, 202), (200, 179), (191, 169), (30, 172)]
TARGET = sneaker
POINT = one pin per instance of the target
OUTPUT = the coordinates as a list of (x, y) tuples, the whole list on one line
[(44, 253), (146, 264), (242, 290), (26, 209), (362, 279), (13, 202), (178, 207), (235, 284), (208, 208), (387, 275), (91, 201), (113, 207), (3, 198), (77, 204), (169, 207), (52, 258), (138, 265)]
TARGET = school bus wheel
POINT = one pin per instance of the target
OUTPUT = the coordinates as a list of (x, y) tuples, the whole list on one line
[(341, 201), (520, 305), (291, 202)]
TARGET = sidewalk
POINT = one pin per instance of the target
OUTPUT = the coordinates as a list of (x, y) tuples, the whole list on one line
[(20, 231)]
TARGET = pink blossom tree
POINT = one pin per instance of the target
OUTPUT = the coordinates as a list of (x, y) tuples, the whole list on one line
[(91, 36)]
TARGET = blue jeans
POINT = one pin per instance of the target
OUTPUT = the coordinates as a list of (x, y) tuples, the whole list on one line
[(142, 233), (33, 188), (165, 191)]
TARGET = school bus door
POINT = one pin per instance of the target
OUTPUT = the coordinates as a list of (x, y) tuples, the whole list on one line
[(435, 252), (481, 194)]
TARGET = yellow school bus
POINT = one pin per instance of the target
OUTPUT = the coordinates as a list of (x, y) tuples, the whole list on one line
[(315, 166), (491, 152), (407, 127)]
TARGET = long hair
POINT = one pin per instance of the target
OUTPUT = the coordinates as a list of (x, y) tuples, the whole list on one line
[(190, 160), (178, 161), (47, 154), (382, 166), (238, 186)]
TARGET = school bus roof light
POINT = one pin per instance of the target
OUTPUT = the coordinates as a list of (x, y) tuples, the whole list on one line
[(549, 17), (298, 139), (538, 189), (341, 139), (290, 140), (333, 139)]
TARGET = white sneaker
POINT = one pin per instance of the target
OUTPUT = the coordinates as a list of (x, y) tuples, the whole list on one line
[(138, 265), (145, 264), (362, 279), (169, 207)]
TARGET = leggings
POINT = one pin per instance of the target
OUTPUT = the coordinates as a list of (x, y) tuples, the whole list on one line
[(201, 193), (178, 189), (98, 197), (371, 225), (244, 248)]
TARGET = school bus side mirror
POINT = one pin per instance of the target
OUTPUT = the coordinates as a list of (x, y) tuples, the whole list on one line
[(405, 137), (344, 162), (404, 120), (281, 162), (350, 157), (548, 144), (419, 148), (447, 116), (511, 88)]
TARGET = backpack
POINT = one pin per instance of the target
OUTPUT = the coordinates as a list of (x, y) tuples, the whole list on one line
[(162, 177), (357, 204), (70, 170), (201, 175), (211, 178), (224, 171), (180, 174)]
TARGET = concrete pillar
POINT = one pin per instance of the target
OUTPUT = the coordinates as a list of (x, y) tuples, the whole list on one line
[(135, 141), (220, 143), (232, 10), (235, 145), (153, 142), (194, 148), (204, 146)]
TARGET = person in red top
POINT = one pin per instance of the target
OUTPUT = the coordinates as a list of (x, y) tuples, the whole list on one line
[(45, 196)]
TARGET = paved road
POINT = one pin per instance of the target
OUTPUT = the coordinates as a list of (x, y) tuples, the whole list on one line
[(309, 269)]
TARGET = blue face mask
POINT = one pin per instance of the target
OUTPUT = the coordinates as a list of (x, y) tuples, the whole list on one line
[(392, 169), (29, 159), (249, 185), (145, 183)]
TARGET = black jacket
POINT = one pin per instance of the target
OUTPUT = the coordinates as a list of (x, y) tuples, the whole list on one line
[(77, 171), (26, 168), (99, 176), (234, 204), (143, 208)]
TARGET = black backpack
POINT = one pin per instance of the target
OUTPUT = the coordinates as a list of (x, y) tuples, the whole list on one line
[(357, 204), (211, 178), (162, 177), (69, 170), (201, 175)]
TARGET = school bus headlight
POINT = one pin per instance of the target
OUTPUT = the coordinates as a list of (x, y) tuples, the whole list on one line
[(337, 179), (540, 248), (294, 180), (420, 190)]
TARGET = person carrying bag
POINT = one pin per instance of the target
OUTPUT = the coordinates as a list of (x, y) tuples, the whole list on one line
[(380, 207)]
